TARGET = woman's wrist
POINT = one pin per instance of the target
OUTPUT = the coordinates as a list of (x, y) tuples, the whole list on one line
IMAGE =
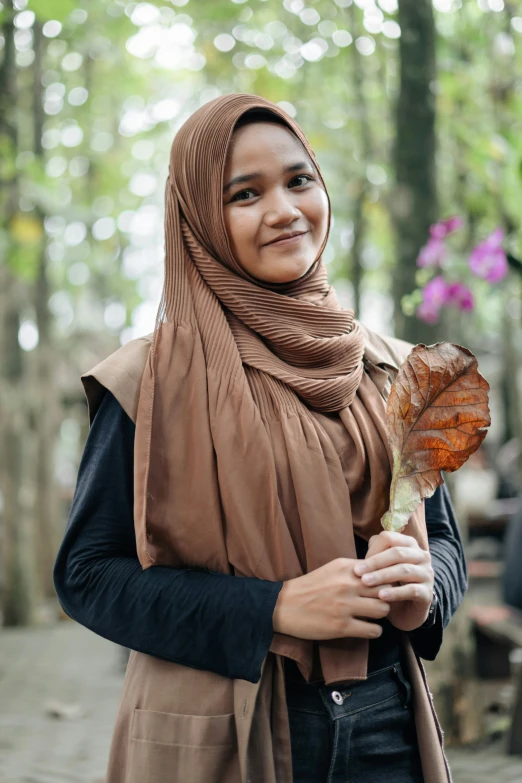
[(278, 617), (430, 620)]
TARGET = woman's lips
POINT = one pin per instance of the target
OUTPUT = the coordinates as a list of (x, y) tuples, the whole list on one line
[(287, 241)]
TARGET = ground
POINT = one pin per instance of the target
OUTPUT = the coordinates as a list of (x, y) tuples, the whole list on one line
[(59, 692)]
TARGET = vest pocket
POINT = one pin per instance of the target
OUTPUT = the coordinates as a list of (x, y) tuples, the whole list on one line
[(168, 747)]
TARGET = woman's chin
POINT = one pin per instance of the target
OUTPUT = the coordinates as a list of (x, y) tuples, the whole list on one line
[(282, 272)]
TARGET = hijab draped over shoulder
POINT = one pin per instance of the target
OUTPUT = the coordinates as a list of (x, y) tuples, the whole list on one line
[(236, 470)]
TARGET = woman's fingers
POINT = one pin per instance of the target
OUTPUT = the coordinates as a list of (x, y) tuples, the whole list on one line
[(411, 592), (403, 572), (390, 557), (387, 539), (371, 592), (363, 630), (373, 608)]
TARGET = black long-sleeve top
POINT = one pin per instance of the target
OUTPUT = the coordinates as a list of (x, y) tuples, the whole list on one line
[(196, 617)]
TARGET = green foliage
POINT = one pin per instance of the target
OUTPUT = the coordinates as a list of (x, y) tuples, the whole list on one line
[(118, 78), (52, 9)]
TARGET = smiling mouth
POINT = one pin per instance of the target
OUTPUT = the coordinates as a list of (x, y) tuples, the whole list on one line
[(293, 239)]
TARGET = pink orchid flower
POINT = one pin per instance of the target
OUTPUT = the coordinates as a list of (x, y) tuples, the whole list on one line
[(459, 295), (434, 251), (432, 254), (488, 259), (434, 297), (441, 229), (428, 314)]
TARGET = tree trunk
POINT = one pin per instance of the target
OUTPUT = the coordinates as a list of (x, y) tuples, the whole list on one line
[(414, 204), (17, 596), (356, 266), (46, 402), (46, 418)]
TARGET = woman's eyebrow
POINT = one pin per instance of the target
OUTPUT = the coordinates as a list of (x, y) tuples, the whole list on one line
[(241, 178)]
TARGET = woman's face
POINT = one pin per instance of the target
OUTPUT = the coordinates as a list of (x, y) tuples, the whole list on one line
[(275, 207)]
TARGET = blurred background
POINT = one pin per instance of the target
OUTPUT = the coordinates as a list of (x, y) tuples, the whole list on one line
[(415, 111)]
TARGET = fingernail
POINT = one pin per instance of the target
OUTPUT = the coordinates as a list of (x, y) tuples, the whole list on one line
[(369, 579), (384, 594), (360, 569)]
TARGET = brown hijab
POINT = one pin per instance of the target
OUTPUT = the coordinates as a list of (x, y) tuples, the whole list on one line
[(238, 465)]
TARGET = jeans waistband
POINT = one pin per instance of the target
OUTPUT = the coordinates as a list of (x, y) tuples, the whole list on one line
[(293, 675), (342, 699)]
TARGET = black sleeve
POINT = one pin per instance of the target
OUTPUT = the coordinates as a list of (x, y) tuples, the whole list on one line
[(449, 564), (197, 618)]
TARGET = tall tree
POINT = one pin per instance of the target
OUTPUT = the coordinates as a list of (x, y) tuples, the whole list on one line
[(17, 603), (362, 184), (45, 403), (414, 205)]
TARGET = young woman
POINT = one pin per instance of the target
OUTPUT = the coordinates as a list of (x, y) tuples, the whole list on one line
[(226, 522)]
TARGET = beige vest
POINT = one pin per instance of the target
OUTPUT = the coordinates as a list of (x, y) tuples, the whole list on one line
[(176, 724)]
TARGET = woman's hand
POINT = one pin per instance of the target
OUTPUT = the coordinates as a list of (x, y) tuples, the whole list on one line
[(329, 603), (397, 560)]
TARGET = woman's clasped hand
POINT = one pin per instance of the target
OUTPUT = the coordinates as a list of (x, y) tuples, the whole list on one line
[(347, 596), (402, 570)]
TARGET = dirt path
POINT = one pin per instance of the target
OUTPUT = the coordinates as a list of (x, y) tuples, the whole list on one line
[(74, 669)]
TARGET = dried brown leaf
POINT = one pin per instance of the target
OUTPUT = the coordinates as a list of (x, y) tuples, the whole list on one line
[(437, 411)]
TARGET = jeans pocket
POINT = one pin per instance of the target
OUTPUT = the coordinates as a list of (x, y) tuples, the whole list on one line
[(404, 685)]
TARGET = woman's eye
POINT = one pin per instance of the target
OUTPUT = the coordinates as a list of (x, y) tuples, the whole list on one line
[(242, 195), (246, 195), (305, 177)]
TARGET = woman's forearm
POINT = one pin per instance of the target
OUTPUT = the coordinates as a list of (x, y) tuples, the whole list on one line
[(204, 620)]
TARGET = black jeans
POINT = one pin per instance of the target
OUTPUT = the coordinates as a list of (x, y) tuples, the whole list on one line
[(362, 731)]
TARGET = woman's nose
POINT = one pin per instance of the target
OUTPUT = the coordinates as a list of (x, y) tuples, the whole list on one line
[(281, 209)]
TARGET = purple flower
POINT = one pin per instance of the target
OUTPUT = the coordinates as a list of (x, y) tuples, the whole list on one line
[(428, 314), (488, 259), (434, 297), (459, 295), (434, 251), (432, 254), (441, 229), (435, 293)]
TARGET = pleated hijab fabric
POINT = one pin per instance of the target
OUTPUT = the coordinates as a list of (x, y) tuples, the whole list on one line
[(240, 466)]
